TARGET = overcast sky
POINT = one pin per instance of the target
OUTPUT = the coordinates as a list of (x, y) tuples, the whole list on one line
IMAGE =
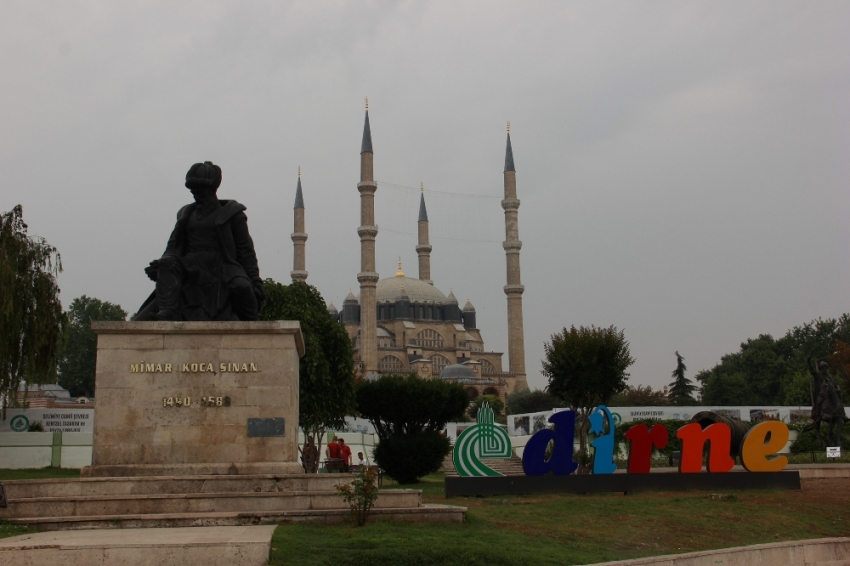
[(682, 166)]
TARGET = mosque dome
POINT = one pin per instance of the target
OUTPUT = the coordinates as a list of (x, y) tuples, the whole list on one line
[(392, 289), (457, 371)]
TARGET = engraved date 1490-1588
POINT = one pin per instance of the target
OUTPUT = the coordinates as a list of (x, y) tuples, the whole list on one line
[(210, 401)]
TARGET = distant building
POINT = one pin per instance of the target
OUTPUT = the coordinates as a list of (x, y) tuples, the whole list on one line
[(401, 324)]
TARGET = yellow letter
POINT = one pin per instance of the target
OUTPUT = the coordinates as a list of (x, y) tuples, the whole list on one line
[(134, 368), (167, 368), (185, 367), (149, 368), (253, 367), (756, 447), (222, 368), (159, 368), (244, 367)]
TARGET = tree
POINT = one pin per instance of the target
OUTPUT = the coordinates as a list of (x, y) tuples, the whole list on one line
[(640, 396), (768, 366), (528, 401), (78, 355), (31, 315), (681, 390), (326, 371), (495, 403), (409, 415), (586, 366), (728, 389)]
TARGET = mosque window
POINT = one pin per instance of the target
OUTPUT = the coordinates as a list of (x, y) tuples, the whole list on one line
[(491, 391), (428, 339), (438, 364), (472, 393), (487, 368), (391, 364)]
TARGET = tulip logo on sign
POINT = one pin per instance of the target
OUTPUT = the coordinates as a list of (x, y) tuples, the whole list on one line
[(481, 441)]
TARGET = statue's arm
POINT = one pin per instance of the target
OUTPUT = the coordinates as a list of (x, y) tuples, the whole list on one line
[(245, 254)]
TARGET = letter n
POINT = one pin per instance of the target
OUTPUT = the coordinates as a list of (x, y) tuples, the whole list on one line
[(694, 437), (641, 442)]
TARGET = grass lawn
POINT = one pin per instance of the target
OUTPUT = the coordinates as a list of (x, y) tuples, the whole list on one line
[(573, 529)]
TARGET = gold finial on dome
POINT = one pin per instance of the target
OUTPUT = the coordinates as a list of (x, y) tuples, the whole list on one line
[(422, 188), (399, 273), (299, 170), (509, 126), (367, 103)]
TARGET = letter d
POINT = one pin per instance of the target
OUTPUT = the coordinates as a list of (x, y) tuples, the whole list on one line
[(561, 463)]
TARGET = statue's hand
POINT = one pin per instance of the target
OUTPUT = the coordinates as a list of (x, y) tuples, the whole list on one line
[(152, 269)]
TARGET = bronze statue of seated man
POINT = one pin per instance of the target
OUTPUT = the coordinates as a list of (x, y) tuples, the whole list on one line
[(209, 269)]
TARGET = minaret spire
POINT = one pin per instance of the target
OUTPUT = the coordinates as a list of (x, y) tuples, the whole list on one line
[(367, 277), (299, 236), (424, 247), (514, 287)]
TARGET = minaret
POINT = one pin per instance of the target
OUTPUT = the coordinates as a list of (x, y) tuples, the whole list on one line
[(424, 248), (299, 273), (514, 288), (367, 277)]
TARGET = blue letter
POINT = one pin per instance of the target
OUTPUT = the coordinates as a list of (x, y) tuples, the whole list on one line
[(560, 462)]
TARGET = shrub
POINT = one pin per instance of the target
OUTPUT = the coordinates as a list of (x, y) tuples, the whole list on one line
[(409, 414), (360, 495), (408, 457)]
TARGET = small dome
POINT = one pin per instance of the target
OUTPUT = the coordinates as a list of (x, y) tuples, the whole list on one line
[(457, 371), (332, 308), (468, 307), (350, 298), (451, 299)]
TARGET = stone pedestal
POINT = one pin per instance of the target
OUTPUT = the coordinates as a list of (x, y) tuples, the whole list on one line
[(196, 398)]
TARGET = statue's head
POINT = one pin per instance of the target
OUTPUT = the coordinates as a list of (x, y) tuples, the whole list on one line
[(823, 365), (203, 178)]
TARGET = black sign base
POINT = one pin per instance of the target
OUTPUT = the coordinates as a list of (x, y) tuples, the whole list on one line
[(515, 485)]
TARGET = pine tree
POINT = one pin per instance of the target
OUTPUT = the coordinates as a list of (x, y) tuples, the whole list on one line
[(681, 389)]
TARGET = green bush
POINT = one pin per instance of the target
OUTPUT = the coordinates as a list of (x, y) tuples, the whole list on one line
[(806, 441), (408, 457), (409, 415)]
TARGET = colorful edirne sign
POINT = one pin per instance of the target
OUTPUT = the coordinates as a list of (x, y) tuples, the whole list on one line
[(480, 441), (758, 449)]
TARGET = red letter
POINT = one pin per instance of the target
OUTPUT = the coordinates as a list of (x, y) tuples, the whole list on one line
[(641, 442), (693, 437)]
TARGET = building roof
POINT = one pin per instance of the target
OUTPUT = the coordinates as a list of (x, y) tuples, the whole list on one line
[(468, 306), (393, 289), (457, 371), (332, 308), (299, 198), (423, 213), (366, 146), (509, 156)]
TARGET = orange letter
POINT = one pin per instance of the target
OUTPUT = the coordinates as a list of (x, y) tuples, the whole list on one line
[(693, 437), (761, 441)]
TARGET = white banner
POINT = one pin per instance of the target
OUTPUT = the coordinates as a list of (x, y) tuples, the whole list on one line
[(53, 420)]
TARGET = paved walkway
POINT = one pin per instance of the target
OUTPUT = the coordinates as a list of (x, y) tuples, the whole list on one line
[(184, 546)]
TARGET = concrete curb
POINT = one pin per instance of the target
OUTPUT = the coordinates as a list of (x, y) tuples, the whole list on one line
[(210, 546), (815, 552)]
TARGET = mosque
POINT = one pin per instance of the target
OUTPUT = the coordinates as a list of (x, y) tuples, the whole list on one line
[(402, 324)]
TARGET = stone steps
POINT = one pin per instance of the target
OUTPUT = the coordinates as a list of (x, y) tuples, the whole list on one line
[(21, 489), (231, 500), (425, 513), (87, 505), (506, 466)]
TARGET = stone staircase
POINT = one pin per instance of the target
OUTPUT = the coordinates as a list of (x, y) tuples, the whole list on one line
[(183, 501), (506, 466)]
